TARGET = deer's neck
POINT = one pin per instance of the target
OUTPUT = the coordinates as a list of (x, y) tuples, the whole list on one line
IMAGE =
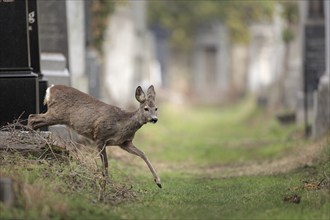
[(134, 122)]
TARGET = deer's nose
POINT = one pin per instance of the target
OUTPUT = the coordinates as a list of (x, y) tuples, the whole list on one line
[(154, 120)]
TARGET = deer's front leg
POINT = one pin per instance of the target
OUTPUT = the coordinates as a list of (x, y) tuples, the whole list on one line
[(36, 121), (103, 154), (129, 147)]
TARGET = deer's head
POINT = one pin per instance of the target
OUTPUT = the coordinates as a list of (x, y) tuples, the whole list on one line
[(148, 108)]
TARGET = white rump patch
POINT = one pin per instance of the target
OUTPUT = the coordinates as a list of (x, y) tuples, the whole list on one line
[(47, 96)]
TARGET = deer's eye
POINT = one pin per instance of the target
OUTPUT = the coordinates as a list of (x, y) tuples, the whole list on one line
[(146, 109), (156, 109)]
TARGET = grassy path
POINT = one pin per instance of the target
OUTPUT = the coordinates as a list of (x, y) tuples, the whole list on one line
[(308, 153), (237, 163)]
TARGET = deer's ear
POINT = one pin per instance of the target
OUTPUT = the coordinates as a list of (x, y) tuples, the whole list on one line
[(151, 92), (139, 95)]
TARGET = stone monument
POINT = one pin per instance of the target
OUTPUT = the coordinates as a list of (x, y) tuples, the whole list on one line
[(19, 93), (54, 41), (321, 123), (314, 57), (33, 20), (211, 62)]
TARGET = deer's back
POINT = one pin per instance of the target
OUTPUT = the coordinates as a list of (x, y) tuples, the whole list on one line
[(84, 113)]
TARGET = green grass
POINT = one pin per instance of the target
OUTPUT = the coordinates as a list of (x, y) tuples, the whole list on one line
[(191, 138), (213, 135), (187, 197)]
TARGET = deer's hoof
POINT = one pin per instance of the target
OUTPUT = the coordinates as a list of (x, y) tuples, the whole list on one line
[(157, 181)]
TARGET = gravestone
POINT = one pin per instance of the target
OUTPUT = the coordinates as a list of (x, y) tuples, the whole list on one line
[(321, 123), (314, 57), (53, 27), (162, 50), (211, 62), (34, 36), (93, 70), (53, 38), (13, 23), (93, 60), (19, 90), (33, 20)]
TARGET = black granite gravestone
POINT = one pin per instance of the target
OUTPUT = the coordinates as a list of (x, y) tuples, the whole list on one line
[(34, 36), (14, 53), (33, 20), (19, 95)]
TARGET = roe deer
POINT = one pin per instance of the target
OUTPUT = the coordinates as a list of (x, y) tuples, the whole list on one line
[(104, 124)]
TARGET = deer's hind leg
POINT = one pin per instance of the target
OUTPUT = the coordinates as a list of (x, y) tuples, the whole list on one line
[(103, 154)]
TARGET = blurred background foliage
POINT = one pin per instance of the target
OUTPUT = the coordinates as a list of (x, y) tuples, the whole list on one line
[(101, 9), (183, 18), (290, 14)]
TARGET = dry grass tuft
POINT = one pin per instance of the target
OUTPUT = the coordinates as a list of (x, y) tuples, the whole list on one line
[(59, 167)]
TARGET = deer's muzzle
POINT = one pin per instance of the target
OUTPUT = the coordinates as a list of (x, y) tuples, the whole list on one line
[(154, 120)]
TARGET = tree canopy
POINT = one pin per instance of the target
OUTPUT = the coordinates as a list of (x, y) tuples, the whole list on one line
[(182, 17)]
